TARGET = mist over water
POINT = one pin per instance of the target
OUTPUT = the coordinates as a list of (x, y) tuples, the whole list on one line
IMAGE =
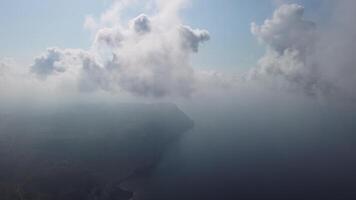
[(281, 149), (252, 144)]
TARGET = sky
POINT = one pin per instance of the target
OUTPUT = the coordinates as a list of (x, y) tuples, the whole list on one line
[(29, 27), (265, 87), (157, 48)]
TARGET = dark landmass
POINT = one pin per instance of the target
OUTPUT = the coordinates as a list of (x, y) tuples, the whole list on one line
[(83, 152)]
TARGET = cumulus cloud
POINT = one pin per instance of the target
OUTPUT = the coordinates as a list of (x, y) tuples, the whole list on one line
[(192, 38), (109, 37), (58, 61), (141, 24), (318, 62), (287, 29), (147, 56), (291, 44)]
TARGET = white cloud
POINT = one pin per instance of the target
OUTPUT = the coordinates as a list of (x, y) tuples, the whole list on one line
[(193, 37), (317, 62), (290, 41), (287, 29), (109, 37), (147, 56), (57, 61)]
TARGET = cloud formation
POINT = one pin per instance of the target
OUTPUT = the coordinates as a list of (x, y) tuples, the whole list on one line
[(334, 54), (289, 39), (57, 61), (193, 37), (148, 56), (287, 29), (309, 59), (141, 24)]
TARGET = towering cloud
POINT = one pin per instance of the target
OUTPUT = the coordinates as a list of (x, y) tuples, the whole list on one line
[(148, 56), (289, 39), (287, 29), (307, 58)]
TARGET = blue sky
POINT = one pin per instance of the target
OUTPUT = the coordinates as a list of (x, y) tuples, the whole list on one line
[(29, 27)]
